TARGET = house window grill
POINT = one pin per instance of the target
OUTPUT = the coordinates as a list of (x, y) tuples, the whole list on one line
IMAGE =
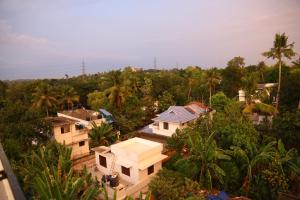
[(166, 125), (150, 169), (125, 170), (102, 161)]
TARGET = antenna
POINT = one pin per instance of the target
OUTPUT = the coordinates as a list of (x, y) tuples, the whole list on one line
[(83, 67), (154, 63)]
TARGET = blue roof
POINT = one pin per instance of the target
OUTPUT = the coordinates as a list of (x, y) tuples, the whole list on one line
[(177, 114), (105, 112)]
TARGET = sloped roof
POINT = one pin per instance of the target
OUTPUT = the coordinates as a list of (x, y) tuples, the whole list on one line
[(197, 109), (176, 114)]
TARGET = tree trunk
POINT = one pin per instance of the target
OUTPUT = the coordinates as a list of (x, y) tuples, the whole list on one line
[(279, 84), (47, 111)]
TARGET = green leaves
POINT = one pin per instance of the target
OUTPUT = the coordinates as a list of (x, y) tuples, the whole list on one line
[(53, 178)]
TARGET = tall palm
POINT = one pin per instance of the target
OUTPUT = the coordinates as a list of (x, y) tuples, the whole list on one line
[(68, 96), (281, 49), (102, 135), (212, 78), (117, 92), (205, 152), (44, 97), (54, 178)]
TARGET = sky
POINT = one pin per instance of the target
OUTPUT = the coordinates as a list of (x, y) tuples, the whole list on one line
[(50, 38)]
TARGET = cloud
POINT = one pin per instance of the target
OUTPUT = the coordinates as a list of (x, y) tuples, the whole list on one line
[(9, 37)]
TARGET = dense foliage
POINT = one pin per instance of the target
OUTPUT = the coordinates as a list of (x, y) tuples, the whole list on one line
[(224, 150)]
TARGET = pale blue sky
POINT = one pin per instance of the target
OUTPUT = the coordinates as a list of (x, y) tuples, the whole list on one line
[(49, 38)]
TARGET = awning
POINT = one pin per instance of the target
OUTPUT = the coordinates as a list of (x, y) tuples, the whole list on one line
[(150, 161)]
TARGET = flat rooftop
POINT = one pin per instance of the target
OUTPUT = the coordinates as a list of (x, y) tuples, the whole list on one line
[(135, 145), (60, 121)]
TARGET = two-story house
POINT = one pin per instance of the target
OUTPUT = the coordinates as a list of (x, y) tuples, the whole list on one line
[(133, 162), (72, 127), (72, 134), (176, 117)]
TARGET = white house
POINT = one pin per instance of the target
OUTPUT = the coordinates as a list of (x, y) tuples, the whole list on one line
[(132, 162), (176, 117)]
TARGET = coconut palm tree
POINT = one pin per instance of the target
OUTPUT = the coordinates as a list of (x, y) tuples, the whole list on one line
[(205, 152), (102, 135), (261, 67), (44, 97), (117, 92), (68, 96), (212, 78), (281, 49)]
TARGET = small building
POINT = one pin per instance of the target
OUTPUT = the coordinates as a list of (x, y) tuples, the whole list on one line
[(176, 117), (72, 128), (84, 116), (72, 134), (127, 167), (107, 116)]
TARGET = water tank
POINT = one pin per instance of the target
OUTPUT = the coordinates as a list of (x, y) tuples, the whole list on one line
[(114, 180), (105, 178), (242, 95)]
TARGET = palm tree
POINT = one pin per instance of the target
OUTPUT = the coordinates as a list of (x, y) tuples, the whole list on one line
[(252, 158), (44, 97), (205, 152), (212, 79), (102, 135), (52, 178), (68, 96), (287, 159), (117, 92), (281, 49), (297, 62), (261, 67)]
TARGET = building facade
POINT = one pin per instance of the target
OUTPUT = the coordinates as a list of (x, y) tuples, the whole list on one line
[(176, 117), (71, 128), (135, 161)]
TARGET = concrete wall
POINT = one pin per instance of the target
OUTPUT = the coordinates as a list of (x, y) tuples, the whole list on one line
[(72, 139), (167, 132), (136, 175), (143, 174)]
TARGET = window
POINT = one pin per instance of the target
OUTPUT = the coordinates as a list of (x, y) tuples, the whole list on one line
[(125, 170), (65, 129), (81, 143), (166, 125), (150, 169), (102, 161)]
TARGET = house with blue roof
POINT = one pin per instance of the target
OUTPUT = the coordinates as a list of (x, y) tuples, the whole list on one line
[(176, 117)]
